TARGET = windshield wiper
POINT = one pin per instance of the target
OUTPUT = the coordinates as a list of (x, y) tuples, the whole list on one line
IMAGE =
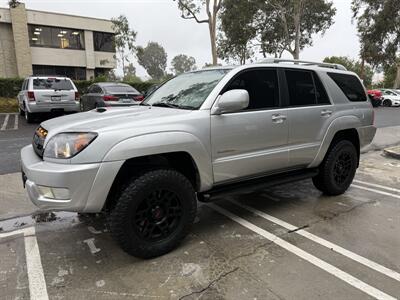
[(172, 105)]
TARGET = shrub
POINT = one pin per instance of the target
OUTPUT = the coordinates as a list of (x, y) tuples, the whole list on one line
[(10, 87)]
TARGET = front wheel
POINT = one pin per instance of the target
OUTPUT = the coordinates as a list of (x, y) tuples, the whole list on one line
[(154, 213), (338, 169)]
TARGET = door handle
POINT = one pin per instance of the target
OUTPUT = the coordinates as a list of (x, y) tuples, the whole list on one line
[(278, 118), (326, 113)]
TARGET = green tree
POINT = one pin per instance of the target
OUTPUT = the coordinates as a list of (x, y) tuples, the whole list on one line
[(378, 25), (154, 59), (130, 73), (354, 66), (183, 63), (14, 3), (288, 25), (192, 9), (237, 30), (124, 40)]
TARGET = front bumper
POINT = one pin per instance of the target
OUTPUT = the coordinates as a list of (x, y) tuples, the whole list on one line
[(87, 184)]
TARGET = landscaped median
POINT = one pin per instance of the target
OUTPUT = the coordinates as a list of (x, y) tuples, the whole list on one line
[(8, 105)]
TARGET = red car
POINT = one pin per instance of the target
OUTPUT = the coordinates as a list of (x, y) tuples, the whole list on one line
[(376, 97)]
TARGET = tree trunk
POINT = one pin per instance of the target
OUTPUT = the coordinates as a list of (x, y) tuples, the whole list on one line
[(297, 22), (213, 40), (397, 80), (362, 71)]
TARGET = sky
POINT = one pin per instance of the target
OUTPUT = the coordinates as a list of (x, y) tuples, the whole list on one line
[(160, 21)]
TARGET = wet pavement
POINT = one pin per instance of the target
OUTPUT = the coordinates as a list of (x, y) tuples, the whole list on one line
[(287, 242)]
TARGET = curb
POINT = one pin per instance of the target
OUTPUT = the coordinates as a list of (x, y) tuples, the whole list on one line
[(393, 152)]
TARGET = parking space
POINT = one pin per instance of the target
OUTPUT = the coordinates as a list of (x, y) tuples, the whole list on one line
[(287, 242)]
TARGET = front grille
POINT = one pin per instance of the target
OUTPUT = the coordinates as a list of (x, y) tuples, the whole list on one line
[(38, 140)]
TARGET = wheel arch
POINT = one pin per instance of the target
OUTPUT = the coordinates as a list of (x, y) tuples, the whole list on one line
[(180, 161), (341, 128)]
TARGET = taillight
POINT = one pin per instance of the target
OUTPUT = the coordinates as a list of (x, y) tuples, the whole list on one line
[(31, 96), (77, 96), (138, 98), (110, 98)]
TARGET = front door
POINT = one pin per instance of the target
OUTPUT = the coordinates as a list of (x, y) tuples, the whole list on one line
[(253, 141)]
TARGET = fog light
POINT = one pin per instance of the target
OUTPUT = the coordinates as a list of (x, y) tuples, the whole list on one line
[(54, 193)]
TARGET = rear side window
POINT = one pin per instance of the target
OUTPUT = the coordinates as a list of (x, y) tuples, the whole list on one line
[(322, 96), (120, 89), (350, 86), (262, 86), (52, 84), (301, 88)]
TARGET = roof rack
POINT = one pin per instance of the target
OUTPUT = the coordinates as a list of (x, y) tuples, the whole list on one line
[(302, 62)]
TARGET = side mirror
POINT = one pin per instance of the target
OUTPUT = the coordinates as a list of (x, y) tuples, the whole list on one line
[(231, 101)]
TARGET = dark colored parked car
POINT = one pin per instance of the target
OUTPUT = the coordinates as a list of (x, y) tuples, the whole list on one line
[(375, 97), (110, 94)]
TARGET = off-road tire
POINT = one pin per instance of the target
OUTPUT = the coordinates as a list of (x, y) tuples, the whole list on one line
[(138, 191), (337, 171)]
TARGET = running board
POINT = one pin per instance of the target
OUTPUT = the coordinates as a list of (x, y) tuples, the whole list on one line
[(256, 184)]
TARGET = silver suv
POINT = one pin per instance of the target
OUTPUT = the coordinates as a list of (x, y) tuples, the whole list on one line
[(200, 135), (42, 94)]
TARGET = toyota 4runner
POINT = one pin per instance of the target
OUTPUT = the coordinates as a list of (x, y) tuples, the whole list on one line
[(199, 136)]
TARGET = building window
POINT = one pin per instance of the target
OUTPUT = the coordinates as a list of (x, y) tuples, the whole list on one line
[(76, 73), (56, 37), (103, 41)]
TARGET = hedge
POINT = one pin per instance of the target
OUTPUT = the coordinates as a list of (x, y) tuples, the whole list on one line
[(10, 87)]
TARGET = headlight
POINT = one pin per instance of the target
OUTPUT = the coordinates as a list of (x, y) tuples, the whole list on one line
[(67, 145)]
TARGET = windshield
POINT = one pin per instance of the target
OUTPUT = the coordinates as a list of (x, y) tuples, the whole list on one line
[(188, 90), (52, 84)]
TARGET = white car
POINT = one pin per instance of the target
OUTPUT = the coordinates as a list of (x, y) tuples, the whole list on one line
[(390, 97)]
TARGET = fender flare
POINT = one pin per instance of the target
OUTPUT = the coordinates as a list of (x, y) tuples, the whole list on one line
[(340, 123), (166, 142)]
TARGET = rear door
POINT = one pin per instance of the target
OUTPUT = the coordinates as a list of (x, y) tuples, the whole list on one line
[(53, 90), (309, 114), (21, 94)]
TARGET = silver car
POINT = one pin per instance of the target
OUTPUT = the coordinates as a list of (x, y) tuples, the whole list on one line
[(199, 136), (43, 94), (110, 94)]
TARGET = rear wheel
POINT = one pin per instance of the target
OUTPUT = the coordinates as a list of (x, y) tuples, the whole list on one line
[(338, 169), (153, 213), (29, 117), (21, 112)]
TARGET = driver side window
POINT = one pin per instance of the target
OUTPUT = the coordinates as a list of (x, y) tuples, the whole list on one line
[(262, 86)]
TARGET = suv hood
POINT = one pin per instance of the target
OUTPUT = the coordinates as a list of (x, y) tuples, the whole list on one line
[(113, 119)]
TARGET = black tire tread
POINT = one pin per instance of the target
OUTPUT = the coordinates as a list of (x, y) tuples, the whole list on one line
[(324, 180), (117, 218)]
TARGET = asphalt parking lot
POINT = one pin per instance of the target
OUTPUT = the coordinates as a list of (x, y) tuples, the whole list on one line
[(287, 242)]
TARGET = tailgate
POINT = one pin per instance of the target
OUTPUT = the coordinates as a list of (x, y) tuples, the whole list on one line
[(54, 96)]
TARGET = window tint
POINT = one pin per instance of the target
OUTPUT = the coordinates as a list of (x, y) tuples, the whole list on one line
[(262, 86), (120, 89), (350, 86), (97, 90), (103, 41), (78, 73), (56, 37), (24, 85), (301, 88), (52, 84), (322, 96)]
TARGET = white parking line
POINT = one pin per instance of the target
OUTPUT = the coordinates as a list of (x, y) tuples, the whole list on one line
[(4, 126), (37, 282), (5, 122), (353, 281), (358, 258), (376, 191), (377, 186), (16, 122)]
